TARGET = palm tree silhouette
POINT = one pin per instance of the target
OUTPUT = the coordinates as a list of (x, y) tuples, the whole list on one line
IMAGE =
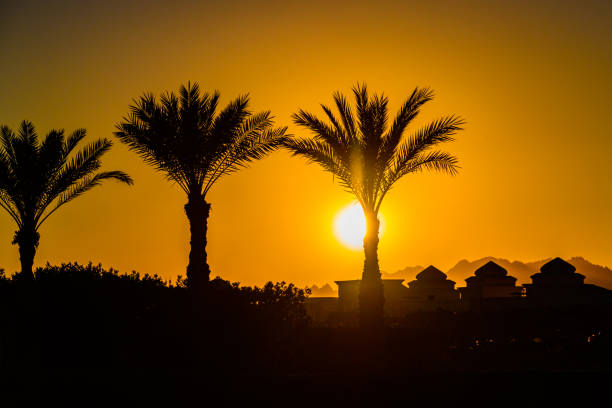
[(367, 158), (184, 137), (37, 178)]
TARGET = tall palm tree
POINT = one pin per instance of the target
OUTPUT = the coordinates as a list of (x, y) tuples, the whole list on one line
[(37, 178), (184, 137), (368, 158)]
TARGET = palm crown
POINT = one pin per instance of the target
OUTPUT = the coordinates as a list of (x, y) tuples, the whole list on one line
[(366, 155), (184, 137), (37, 178), (194, 145)]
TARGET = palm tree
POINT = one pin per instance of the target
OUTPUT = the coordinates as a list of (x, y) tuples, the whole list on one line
[(184, 137), (368, 159), (37, 178)]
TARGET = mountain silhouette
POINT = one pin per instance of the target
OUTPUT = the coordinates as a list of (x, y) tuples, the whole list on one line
[(595, 274)]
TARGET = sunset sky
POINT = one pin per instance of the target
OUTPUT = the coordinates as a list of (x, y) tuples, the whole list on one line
[(532, 79)]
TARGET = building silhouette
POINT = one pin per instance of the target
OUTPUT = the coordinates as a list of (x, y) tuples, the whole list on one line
[(431, 290), (490, 281), (558, 284), (489, 289)]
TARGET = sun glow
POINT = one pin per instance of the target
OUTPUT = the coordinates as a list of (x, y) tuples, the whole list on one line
[(350, 226)]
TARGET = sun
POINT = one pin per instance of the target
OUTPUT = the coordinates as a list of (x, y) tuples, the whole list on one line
[(350, 226)]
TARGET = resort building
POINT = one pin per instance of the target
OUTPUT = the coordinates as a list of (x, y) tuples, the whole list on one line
[(558, 284), (490, 281), (490, 289), (431, 290)]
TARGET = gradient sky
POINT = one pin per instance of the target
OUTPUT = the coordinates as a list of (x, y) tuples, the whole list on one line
[(532, 79)]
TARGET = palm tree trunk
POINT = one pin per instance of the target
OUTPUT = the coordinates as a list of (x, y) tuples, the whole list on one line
[(198, 271), (371, 296), (27, 239)]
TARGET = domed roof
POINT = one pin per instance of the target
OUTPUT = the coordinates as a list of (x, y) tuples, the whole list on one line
[(491, 269), (431, 273), (558, 267)]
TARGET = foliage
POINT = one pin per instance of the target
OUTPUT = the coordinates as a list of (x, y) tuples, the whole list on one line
[(39, 176), (74, 272), (366, 155), (185, 137), (281, 300), (86, 314), (4, 280)]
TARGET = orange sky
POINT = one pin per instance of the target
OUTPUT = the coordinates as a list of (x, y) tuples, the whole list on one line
[(532, 80)]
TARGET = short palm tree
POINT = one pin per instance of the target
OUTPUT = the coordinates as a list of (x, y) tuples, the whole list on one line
[(184, 137), (368, 157), (37, 178)]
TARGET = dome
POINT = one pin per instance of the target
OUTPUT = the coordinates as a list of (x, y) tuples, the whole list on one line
[(558, 267), (491, 269), (431, 273)]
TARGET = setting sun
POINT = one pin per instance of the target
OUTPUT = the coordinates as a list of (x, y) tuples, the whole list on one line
[(350, 226)]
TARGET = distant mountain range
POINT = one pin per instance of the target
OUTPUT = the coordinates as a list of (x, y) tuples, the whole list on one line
[(522, 271)]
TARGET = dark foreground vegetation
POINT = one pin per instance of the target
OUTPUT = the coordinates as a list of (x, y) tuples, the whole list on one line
[(89, 334)]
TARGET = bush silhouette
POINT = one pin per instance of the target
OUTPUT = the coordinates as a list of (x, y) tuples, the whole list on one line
[(87, 315)]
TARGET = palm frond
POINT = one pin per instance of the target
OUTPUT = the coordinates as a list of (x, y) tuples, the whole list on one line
[(9, 184), (434, 161), (322, 131), (230, 119), (73, 140), (438, 131), (51, 152), (317, 151), (6, 137), (27, 133), (257, 146), (7, 203), (346, 114), (334, 121), (149, 132), (87, 160), (25, 150), (81, 166), (7, 179), (84, 185), (360, 91), (409, 110), (439, 161), (253, 141)]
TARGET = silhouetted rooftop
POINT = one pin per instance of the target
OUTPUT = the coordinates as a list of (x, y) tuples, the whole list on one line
[(491, 269), (557, 273), (431, 273), (558, 267)]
